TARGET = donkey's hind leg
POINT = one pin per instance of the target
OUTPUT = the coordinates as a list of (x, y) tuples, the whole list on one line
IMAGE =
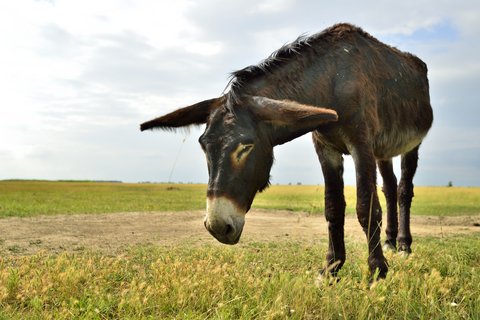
[(405, 195), (390, 190)]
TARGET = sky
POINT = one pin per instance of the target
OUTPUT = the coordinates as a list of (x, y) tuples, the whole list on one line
[(78, 77)]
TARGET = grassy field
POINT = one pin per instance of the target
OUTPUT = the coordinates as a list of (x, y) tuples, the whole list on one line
[(250, 281), (253, 280), (29, 198)]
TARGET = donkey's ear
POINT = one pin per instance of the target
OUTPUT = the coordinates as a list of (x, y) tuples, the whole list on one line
[(192, 115), (288, 120)]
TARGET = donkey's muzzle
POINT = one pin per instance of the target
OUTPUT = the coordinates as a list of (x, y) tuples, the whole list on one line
[(224, 220)]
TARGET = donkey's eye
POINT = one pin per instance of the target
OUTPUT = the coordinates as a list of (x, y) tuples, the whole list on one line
[(244, 150), (241, 153)]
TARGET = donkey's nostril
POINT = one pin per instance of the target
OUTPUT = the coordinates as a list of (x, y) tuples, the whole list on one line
[(228, 229)]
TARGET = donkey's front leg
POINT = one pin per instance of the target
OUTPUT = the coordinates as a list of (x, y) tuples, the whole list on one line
[(369, 212), (332, 167)]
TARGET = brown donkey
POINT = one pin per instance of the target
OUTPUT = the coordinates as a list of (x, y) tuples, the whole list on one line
[(356, 95)]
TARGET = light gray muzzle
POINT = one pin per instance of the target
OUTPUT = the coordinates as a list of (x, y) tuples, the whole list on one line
[(224, 220)]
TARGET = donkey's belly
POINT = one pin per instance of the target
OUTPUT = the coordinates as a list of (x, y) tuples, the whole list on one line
[(390, 144)]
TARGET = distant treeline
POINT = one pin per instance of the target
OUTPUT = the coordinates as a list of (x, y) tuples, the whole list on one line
[(44, 180), (163, 182)]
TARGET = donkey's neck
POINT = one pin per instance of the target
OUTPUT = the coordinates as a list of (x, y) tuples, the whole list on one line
[(298, 79)]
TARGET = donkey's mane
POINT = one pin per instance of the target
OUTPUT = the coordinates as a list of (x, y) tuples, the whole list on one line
[(294, 49)]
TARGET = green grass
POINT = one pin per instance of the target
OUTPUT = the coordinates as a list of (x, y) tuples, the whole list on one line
[(29, 198), (436, 201), (249, 281), (253, 280)]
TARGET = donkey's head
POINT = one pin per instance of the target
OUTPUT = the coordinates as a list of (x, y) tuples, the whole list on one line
[(238, 143)]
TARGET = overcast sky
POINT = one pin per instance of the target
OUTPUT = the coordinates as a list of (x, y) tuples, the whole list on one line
[(78, 77)]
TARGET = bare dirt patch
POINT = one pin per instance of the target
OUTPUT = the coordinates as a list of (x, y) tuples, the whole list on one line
[(112, 232)]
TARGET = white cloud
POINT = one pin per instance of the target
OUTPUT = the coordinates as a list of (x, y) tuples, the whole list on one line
[(204, 48), (81, 74), (272, 6)]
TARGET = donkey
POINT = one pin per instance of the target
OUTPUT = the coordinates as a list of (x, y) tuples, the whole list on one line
[(356, 95)]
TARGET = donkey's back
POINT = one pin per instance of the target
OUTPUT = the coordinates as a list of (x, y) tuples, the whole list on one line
[(371, 85)]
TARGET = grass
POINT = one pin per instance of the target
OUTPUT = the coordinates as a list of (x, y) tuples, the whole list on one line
[(29, 198), (250, 281), (253, 280), (436, 201)]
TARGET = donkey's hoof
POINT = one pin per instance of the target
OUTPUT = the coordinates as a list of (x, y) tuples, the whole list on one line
[(378, 268), (326, 280), (403, 254), (388, 246), (405, 250)]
